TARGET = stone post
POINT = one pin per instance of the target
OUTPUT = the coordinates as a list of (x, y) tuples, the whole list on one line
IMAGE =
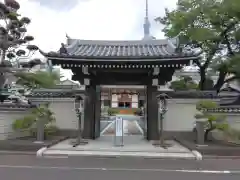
[(79, 112), (200, 124), (79, 131), (162, 109), (40, 130)]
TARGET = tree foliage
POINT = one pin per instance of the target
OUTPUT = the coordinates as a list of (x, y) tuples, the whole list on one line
[(41, 113), (14, 42), (35, 80), (209, 27), (13, 31), (213, 121), (184, 83)]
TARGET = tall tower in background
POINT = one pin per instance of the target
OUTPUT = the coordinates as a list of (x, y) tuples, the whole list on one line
[(147, 25)]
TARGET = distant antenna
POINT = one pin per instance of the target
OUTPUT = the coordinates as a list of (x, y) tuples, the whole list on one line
[(147, 25), (146, 22)]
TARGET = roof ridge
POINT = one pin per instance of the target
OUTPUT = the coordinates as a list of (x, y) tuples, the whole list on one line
[(122, 42)]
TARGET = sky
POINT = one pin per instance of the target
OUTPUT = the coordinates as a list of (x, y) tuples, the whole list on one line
[(90, 19), (51, 20)]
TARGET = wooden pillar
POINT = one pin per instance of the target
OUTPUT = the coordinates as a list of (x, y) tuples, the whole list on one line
[(152, 113), (97, 114), (92, 111), (89, 119)]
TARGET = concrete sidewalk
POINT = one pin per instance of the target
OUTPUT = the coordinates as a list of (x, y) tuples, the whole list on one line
[(134, 146)]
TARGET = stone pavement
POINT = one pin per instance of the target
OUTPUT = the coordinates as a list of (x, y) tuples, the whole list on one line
[(132, 125), (134, 146)]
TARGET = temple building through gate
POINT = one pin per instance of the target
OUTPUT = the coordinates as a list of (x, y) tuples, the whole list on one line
[(99, 64), (122, 96)]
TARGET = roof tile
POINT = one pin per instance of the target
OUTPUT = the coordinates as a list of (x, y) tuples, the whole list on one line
[(142, 49)]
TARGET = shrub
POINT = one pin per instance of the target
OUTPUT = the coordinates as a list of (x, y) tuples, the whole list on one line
[(206, 104), (213, 121), (49, 130), (185, 83), (138, 112), (112, 111), (232, 134), (29, 122)]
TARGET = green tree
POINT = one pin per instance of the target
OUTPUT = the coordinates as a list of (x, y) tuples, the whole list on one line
[(213, 121), (36, 80), (39, 116), (14, 43), (211, 28), (184, 83), (40, 120), (234, 68)]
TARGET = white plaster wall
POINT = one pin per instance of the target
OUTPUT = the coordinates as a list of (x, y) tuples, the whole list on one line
[(6, 120), (65, 114), (181, 112), (64, 111), (180, 115)]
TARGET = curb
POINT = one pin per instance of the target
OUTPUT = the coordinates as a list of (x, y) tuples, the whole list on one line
[(40, 151), (137, 157), (205, 155), (57, 141), (115, 155), (29, 152), (43, 149), (210, 157), (198, 155)]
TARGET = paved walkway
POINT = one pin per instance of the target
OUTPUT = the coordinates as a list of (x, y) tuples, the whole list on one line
[(132, 125), (133, 146)]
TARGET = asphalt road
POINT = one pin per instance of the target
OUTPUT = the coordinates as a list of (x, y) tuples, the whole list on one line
[(31, 168)]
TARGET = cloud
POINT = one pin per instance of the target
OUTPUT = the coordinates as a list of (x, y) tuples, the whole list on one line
[(58, 5), (90, 19)]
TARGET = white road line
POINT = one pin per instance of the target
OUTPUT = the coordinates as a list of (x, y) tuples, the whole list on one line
[(206, 171), (120, 169)]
